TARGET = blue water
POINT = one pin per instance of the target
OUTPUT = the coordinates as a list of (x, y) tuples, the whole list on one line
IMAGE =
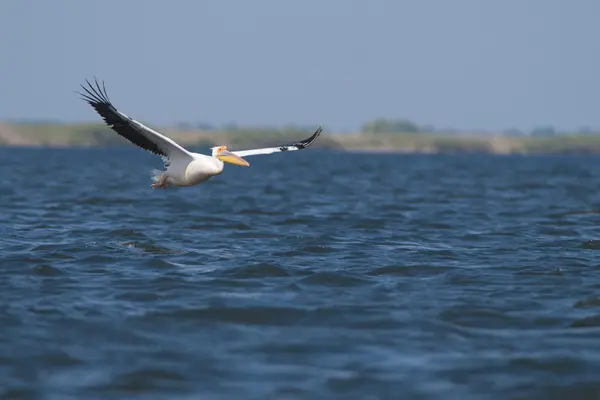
[(309, 275)]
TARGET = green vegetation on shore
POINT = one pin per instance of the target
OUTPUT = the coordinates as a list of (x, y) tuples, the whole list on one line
[(377, 136)]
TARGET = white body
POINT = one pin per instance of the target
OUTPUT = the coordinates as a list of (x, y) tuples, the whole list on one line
[(183, 172)]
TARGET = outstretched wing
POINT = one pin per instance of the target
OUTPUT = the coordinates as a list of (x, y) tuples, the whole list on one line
[(302, 144), (132, 130)]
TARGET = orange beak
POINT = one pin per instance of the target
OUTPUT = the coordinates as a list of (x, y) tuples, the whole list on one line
[(231, 158)]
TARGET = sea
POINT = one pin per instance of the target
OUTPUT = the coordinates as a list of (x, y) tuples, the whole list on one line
[(312, 274)]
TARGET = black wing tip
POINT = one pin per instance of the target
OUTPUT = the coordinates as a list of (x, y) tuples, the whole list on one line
[(302, 144), (307, 142), (95, 95), (317, 132)]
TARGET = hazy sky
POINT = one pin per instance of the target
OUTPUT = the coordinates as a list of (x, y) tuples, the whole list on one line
[(488, 64)]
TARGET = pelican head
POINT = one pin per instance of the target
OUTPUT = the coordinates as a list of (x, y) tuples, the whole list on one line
[(223, 154)]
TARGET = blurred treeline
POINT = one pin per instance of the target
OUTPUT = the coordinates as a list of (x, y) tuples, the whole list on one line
[(390, 135)]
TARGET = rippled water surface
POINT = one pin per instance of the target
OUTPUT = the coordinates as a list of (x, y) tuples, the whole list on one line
[(310, 275)]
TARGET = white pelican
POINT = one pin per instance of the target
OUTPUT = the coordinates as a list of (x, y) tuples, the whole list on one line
[(183, 167)]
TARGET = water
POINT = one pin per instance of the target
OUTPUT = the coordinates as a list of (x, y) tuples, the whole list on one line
[(309, 275)]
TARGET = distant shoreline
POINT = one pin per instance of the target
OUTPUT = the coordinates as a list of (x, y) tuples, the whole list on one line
[(56, 135)]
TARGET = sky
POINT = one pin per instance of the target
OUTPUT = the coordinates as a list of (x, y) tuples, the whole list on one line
[(463, 64)]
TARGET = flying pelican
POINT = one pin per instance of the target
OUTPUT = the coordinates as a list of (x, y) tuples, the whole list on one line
[(183, 167)]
